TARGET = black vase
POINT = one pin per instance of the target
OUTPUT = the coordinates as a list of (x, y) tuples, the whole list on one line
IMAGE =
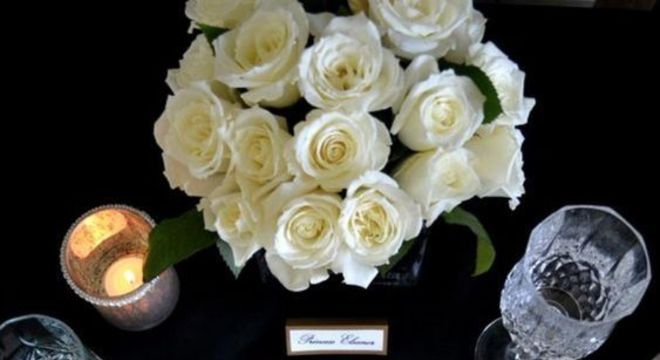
[(405, 273)]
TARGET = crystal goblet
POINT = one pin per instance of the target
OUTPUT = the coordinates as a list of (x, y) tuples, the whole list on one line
[(38, 337), (585, 269)]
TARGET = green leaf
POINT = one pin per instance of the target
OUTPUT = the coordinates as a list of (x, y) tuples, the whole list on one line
[(174, 240), (485, 249), (403, 250), (344, 11), (228, 258), (492, 106), (211, 32)]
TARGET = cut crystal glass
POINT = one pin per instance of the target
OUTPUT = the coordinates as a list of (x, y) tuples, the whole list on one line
[(39, 337), (585, 269)]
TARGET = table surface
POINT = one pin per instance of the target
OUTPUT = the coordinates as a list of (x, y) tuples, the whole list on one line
[(590, 140)]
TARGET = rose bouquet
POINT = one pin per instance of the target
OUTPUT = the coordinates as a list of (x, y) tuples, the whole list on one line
[(328, 140)]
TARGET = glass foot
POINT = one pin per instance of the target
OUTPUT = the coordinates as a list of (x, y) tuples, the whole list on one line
[(494, 343)]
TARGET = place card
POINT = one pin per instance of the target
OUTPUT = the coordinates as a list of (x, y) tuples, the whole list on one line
[(332, 337)]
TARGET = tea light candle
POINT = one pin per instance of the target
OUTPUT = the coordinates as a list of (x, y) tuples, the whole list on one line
[(102, 259), (124, 275)]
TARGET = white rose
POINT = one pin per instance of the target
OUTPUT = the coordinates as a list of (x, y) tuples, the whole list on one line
[(438, 181), (219, 13), (498, 162), (421, 27), (197, 65), (334, 147), (261, 54), (442, 111), (192, 134), (273, 203), (348, 67), (179, 176), (258, 141), (235, 220), (307, 240), (377, 217), (468, 34), (508, 80)]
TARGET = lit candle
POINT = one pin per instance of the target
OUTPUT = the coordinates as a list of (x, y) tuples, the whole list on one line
[(124, 275), (102, 258)]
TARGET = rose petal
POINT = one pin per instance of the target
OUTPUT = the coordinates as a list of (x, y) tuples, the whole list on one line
[(291, 279), (354, 272), (318, 22)]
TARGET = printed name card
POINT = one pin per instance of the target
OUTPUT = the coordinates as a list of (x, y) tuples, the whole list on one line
[(318, 337)]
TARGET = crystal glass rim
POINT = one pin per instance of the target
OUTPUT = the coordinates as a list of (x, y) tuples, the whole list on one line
[(640, 240), (105, 301), (42, 316)]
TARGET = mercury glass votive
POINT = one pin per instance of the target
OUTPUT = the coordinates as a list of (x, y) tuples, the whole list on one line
[(102, 258)]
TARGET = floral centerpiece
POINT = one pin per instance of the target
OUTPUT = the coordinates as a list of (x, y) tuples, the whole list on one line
[(328, 140)]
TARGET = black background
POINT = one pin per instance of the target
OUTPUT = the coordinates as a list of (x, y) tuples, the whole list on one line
[(90, 84)]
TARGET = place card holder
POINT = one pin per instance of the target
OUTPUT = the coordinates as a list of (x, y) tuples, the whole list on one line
[(336, 337)]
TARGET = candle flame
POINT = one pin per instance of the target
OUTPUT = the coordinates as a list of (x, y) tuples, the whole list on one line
[(129, 276), (124, 275)]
